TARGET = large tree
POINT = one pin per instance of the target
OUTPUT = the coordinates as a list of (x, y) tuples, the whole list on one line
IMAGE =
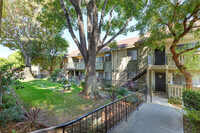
[(162, 20), (91, 18), (53, 54), (1, 9)]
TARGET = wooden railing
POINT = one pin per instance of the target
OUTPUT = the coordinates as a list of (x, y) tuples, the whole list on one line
[(175, 90)]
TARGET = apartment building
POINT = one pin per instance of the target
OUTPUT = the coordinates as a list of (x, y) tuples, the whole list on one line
[(133, 60)]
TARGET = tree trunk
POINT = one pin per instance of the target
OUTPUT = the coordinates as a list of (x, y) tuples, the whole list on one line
[(91, 87), (181, 67), (1, 90)]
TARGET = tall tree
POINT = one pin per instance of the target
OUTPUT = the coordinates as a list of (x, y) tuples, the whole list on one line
[(171, 19), (90, 18), (53, 54), (21, 30)]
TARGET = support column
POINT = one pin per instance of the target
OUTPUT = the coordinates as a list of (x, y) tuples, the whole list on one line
[(167, 80)]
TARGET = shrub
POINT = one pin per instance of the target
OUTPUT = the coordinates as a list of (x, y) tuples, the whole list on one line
[(194, 119), (175, 100), (8, 101), (191, 99), (112, 95), (64, 81), (49, 79), (56, 73), (11, 114), (82, 84), (122, 91), (54, 79)]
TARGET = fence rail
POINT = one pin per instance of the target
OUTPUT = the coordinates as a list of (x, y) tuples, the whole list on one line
[(103, 119)]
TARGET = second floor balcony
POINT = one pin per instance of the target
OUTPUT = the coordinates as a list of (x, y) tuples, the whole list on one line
[(81, 65)]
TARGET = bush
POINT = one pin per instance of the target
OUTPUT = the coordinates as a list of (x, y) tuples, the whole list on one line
[(131, 99), (64, 81), (49, 79), (56, 73), (122, 91), (175, 100), (191, 100), (194, 118), (11, 114), (82, 84), (54, 79), (8, 101)]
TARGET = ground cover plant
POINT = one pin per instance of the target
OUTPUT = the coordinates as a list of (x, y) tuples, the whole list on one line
[(191, 101)]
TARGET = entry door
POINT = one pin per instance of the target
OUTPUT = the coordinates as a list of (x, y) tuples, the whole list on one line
[(159, 57), (160, 82)]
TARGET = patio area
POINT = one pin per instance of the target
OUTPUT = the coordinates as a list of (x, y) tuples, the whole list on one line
[(153, 118)]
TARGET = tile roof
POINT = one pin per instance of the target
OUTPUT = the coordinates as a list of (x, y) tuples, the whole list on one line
[(120, 44)]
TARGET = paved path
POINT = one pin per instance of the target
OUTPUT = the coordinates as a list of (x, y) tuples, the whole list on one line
[(152, 118)]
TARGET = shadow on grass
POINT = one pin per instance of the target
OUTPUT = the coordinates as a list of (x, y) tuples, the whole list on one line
[(59, 107)]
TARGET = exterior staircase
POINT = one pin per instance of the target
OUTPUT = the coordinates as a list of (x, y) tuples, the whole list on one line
[(137, 71)]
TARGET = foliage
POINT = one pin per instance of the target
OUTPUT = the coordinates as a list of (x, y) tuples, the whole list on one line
[(82, 84), (194, 119), (191, 100), (8, 101), (175, 100), (133, 98), (42, 94), (16, 59), (56, 73), (112, 94), (114, 18), (7, 78), (32, 115), (13, 113), (3, 61), (64, 81), (122, 91), (170, 22)]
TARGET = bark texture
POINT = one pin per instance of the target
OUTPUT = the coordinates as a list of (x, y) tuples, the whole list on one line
[(1, 12), (180, 66)]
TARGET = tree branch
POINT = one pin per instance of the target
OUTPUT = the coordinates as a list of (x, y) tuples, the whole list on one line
[(118, 33), (102, 15), (109, 24), (196, 47), (69, 24)]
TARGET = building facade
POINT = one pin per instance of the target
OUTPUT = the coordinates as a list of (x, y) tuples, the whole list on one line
[(133, 60)]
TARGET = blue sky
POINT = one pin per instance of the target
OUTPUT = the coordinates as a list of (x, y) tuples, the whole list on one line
[(5, 52)]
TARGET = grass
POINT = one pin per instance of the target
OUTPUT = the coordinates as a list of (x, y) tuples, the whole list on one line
[(57, 107)]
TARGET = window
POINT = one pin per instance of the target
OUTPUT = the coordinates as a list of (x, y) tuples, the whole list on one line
[(99, 59), (108, 57), (108, 75), (99, 75), (196, 81), (132, 54)]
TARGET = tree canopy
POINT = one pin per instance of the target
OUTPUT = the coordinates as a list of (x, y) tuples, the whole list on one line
[(98, 23), (164, 20)]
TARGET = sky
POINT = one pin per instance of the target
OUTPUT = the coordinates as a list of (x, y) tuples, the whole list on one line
[(5, 52)]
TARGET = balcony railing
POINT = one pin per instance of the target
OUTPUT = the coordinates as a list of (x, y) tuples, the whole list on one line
[(81, 65), (103, 119)]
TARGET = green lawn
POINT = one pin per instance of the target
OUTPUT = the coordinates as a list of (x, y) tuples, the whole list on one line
[(57, 107)]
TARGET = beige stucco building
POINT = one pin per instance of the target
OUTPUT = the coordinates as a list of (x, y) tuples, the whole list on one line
[(133, 60)]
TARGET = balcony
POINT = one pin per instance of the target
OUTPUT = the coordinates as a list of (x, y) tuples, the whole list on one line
[(81, 65)]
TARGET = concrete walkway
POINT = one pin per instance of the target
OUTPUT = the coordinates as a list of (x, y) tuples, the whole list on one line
[(152, 118)]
